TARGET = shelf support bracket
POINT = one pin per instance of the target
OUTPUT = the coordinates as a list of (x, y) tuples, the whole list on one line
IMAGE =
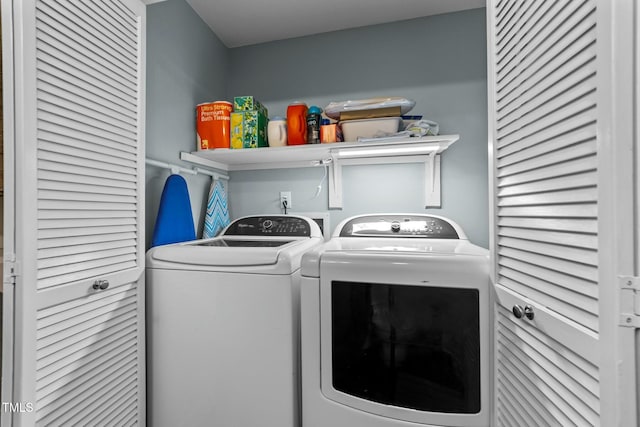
[(432, 181), (335, 183), (431, 177)]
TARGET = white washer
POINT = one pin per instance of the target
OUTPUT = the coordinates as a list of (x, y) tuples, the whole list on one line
[(223, 325), (396, 325)]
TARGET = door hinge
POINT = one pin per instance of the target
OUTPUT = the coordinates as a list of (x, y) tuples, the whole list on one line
[(629, 301), (10, 269)]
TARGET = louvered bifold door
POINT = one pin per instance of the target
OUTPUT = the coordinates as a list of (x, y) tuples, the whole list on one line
[(80, 156), (543, 112)]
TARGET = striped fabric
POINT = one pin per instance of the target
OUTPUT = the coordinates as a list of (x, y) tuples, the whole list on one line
[(217, 216)]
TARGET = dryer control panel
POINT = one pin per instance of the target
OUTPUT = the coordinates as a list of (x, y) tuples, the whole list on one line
[(424, 226), (269, 225)]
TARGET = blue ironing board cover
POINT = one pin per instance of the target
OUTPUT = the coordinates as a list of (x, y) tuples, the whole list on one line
[(175, 221)]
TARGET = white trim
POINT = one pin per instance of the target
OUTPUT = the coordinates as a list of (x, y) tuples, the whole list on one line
[(8, 66), (492, 185), (26, 202), (615, 207), (636, 180), (636, 148), (140, 287)]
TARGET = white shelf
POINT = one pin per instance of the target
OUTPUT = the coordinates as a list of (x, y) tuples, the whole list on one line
[(410, 150), (294, 156)]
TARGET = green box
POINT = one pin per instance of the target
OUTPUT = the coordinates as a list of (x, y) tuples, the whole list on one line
[(249, 103), (248, 129)]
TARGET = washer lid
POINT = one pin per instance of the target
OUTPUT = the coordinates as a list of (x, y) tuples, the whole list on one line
[(223, 252), (276, 255), (274, 242)]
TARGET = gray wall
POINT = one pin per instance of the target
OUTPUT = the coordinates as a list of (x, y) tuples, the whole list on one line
[(439, 61), (186, 65)]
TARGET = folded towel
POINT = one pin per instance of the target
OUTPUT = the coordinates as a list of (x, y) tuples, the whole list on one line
[(175, 221), (217, 216)]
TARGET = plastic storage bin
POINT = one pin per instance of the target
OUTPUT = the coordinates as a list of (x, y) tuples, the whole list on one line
[(369, 128)]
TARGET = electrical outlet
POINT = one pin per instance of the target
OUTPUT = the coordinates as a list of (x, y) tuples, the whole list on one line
[(285, 196)]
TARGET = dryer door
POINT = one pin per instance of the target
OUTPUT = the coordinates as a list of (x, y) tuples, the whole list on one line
[(407, 341)]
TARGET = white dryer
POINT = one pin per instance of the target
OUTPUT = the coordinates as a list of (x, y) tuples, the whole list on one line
[(396, 325), (223, 325)]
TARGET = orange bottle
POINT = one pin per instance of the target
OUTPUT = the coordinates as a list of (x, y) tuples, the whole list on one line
[(297, 123)]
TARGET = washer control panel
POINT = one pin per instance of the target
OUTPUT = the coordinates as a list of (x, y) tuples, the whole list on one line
[(275, 225), (424, 226)]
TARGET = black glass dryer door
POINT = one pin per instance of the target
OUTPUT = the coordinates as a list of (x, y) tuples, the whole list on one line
[(414, 347)]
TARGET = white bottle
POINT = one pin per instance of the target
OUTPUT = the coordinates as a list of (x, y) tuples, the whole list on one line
[(277, 132)]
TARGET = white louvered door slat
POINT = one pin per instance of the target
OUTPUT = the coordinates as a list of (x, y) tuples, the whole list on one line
[(79, 118), (543, 112)]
